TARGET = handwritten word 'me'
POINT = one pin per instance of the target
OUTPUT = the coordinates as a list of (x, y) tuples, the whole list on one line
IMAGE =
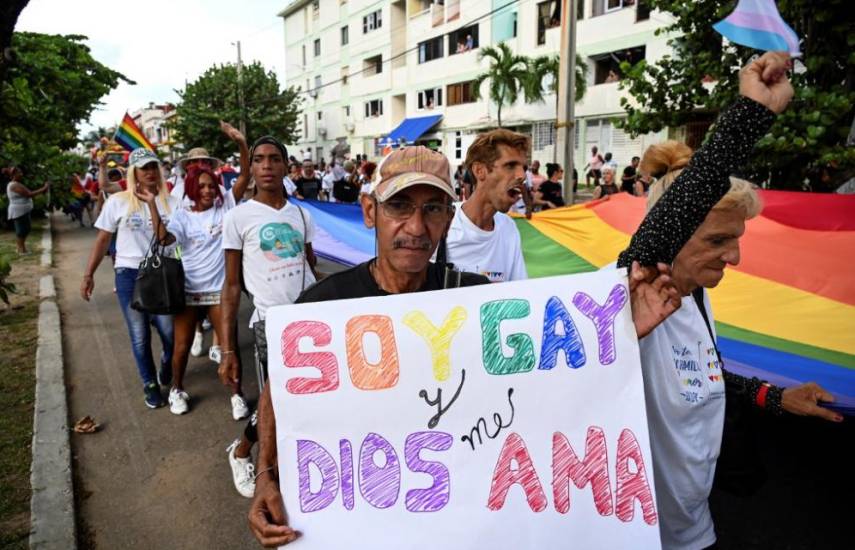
[(383, 373)]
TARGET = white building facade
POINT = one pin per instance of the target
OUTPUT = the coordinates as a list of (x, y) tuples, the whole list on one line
[(154, 122), (368, 67)]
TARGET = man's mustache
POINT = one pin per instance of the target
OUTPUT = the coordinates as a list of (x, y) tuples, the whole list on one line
[(423, 243)]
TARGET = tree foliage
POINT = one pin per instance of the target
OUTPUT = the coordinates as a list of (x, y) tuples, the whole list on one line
[(541, 67), (52, 84), (507, 74), (215, 96), (700, 76)]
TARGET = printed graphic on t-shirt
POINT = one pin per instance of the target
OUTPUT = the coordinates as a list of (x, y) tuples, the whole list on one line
[(494, 276), (698, 382), (280, 241), (136, 221)]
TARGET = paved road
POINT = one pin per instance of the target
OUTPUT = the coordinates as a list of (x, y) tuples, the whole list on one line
[(149, 479)]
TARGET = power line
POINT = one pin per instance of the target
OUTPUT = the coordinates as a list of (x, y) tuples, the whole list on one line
[(394, 57)]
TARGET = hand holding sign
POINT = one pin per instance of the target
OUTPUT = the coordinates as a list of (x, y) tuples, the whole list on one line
[(541, 441)]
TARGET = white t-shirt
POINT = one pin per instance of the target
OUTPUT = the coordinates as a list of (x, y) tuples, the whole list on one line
[(327, 183), (200, 235), (134, 230), (290, 186), (496, 254), (273, 253), (684, 390)]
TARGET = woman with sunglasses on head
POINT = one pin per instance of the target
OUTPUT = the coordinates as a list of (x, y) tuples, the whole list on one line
[(133, 223), (198, 230)]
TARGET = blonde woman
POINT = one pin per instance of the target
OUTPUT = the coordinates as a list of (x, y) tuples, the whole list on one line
[(129, 218)]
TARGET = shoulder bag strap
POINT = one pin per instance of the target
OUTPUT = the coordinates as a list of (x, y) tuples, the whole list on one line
[(698, 295), (305, 233)]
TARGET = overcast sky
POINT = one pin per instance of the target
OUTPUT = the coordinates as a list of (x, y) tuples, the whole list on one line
[(161, 43)]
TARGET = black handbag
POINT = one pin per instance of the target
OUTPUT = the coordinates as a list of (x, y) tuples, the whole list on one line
[(159, 288)]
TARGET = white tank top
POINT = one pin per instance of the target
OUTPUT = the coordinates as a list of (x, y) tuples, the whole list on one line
[(19, 205)]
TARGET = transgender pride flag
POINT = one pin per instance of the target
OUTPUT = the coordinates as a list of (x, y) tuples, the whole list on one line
[(757, 24)]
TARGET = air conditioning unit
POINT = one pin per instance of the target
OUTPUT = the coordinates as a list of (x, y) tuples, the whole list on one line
[(313, 92), (349, 126), (322, 131)]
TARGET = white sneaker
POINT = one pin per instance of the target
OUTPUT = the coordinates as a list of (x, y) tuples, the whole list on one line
[(178, 401), (239, 407), (196, 348), (214, 354), (243, 472)]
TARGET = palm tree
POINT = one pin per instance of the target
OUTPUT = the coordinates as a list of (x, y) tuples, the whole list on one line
[(540, 67), (507, 73)]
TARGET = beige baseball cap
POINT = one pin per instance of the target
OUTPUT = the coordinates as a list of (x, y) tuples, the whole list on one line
[(411, 166)]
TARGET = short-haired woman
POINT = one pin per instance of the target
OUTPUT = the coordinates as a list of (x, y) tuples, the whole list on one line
[(20, 206)]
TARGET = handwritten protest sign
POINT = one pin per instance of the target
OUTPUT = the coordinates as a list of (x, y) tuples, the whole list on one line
[(498, 416)]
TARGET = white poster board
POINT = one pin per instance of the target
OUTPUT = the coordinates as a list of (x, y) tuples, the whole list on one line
[(542, 438)]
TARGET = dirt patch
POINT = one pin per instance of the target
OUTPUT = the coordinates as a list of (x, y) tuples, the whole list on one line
[(18, 341)]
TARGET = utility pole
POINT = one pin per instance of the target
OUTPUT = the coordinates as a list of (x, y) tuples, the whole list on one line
[(240, 90), (566, 120)]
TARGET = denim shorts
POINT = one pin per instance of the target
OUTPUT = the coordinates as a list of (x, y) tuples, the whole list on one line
[(22, 226)]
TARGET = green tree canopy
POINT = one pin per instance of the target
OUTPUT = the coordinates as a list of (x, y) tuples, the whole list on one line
[(537, 86), (215, 96), (508, 76), (51, 85), (699, 76)]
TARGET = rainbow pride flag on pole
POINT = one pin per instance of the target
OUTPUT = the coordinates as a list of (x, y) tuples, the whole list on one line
[(129, 136), (786, 313), (757, 24)]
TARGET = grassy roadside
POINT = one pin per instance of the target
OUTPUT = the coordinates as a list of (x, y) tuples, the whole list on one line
[(18, 340)]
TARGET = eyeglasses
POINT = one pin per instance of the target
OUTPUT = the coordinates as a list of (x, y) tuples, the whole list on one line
[(400, 209)]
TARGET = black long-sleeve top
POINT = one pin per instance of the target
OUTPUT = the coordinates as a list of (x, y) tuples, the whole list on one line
[(682, 209)]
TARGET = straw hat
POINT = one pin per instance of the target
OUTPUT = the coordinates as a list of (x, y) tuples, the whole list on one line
[(199, 153)]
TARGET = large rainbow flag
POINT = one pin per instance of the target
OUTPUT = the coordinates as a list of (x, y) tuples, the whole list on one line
[(786, 313), (129, 136)]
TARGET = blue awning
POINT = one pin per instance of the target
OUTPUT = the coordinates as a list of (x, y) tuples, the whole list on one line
[(411, 129)]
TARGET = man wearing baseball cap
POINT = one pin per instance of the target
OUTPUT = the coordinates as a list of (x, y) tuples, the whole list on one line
[(410, 209)]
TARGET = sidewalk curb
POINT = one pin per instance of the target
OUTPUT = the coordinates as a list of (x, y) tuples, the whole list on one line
[(52, 520)]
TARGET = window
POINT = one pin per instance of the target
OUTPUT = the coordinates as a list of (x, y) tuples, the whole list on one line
[(317, 47), (304, 55), (642, 12), (373, 108), (428, 99), (598, 133), (372, 21), (548, 16), (606, 6), (430, 49), (580, 10), (463, 40), (346, 111), (316, 9), (344, 74), (543, 135), (305, 125), (607, 66), (345, 35), (458, 145), (317, 82), (372, 65), (516, 21), (320, 116), (460, 93)]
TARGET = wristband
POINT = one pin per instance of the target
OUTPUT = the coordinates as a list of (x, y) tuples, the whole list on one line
[(761, 395)]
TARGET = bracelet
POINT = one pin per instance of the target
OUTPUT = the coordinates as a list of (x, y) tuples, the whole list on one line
[(760, 399), (226, 352), (264, 471)]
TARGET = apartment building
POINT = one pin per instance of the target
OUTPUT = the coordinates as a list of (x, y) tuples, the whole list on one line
[(379, 73), (153, 121)]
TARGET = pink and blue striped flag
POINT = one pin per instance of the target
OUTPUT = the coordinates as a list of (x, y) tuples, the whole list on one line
[(757, 24)]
